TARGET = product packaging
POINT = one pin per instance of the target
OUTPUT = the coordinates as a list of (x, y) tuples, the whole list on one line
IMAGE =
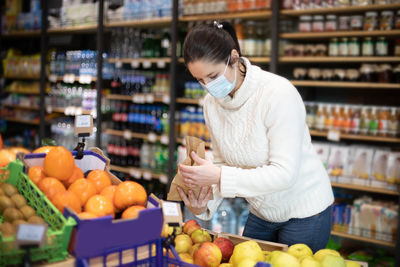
[(379, 168), (361, 165), (192, 144), (393, 168), (338, 161), (322, 150)]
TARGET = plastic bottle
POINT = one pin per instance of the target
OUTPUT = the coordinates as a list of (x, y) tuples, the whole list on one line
[(373, 122), (383, 117), (355, 119), (144, 156), (393, 122), (224, 220), (364, 120), (328, 117), (346, 119), (320, 117)]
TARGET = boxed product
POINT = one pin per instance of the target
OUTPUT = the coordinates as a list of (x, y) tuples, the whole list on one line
[(393, 168), (338, 161), (361, 165), (322, 150)]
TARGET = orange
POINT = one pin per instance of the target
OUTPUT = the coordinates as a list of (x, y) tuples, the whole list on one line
[(86, 215), (43, 149), (67, 199), (83, 189), (51, 187), (100, 206), (132, 212), (109, 192), (5, 157), (100, 179), (36, 173), (129, 193), (76, 174), (59, 163)]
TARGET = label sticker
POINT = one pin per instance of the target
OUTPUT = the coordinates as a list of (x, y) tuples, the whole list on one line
[(333, 135), (147, 175), (31, 232), (127, 135), (170, 208), (83, 121), (164, 139)]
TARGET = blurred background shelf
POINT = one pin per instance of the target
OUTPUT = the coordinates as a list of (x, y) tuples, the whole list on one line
[(363, 85), (302, 35), (259, 14), (358, 137), (365, 188), (364, 239), (339, 10), (338, 59)]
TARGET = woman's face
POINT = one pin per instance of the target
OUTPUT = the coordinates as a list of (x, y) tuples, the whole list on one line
[(205, 71)]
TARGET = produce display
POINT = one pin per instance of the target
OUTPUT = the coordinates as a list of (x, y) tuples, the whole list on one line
[(93, 196), (197, 246)]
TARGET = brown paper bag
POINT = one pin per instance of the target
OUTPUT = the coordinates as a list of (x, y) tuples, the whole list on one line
[(192, 144)]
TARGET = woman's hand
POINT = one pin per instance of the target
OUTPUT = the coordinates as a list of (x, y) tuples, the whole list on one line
[(205, 174), (196, 205)]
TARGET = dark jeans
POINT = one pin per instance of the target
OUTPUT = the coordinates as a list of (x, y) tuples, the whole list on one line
[(313, 231)]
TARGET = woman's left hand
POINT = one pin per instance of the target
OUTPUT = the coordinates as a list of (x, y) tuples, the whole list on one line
[(205, 174)]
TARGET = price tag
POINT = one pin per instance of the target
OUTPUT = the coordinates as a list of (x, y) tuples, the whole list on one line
[(31, 234), (127, 135), (135, 64), (150, 98), (170, 208), (201, 102), (146, 64), (67, 111), (142, 99), (135, 173), (49, 109), (164, 139), (53, 78), (135, 99), (118, 64), (161, 64), (333, 135), (166, 99), (163, 179), (152, 137), (78, 111), (69, 78), (147, 175), (85, 79)]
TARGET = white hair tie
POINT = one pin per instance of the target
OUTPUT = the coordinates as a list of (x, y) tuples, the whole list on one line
[(218, 25)]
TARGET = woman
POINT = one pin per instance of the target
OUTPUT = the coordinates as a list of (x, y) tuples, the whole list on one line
[(261, 145)]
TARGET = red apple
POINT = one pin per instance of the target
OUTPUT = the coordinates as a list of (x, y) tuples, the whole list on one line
[(190, 226), (226, 246), (200, 236), (207, 255)]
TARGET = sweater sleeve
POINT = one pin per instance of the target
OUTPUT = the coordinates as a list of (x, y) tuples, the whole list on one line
[(284, 119)]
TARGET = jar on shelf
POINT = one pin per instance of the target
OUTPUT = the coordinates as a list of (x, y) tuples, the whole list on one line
[(344, 23), (305, 24), (299, 50), (343, 2), (352, 75), (339, 74), (317, 4), (354, 47), (383, 2), (371, 21), (288, 50), (314, 74), (385, 73), (397, 20), (320, 50), (329, 3), (318, 23), (355, 111), (331, 23), (300, 73), (333, 47), (368, 47), (397, 48), (309, 50), (297, 4), (396, 74), (387, 20), (382, 47), (356, 22), (327, 75), (343, 47), (361, 2), (367, 73), (393, 122)]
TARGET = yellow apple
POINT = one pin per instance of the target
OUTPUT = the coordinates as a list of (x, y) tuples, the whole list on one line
[(247, 263), (333, 261), (309, 262), (284, 260), (186, 258), (183, 243), (272, 255), (246, 250), (305, 257), (299, 250), (225, 265), (320, 254), (352, 264)]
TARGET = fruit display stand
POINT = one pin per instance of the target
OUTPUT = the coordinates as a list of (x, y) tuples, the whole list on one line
[(99, 238), (59, 230)]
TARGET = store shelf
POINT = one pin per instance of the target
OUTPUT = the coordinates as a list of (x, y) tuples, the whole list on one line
[(180, 141), (362, 85), (339, 10), (22, 78), (69, 111), (71, 79), (347, 59), (151, 137), (73, 29), (22, 107), (258, 14), (139, 23), (365, 188), (141, 98), (12, 34), (139, 173), (316, 35), (189, 101), (140, 60), (358, 137), (364, 239), (31, 122), (23, 93)]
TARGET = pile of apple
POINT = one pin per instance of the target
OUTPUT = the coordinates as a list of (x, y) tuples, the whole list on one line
[(195, 245)]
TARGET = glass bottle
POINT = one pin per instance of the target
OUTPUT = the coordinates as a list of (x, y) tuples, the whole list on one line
[(320, 117), (355, 119), (393, 122), (373, 121), (364, 120), (383, 116), (328, 124)]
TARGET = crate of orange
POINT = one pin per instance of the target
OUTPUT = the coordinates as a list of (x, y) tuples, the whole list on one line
[(110, 214)]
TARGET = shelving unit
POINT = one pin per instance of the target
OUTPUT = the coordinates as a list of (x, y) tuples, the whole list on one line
[(365, 189), (73, 29), (23, 107), (22, 78), (316, 35), (161, 22), (151, 137), (35, 33), (139, 173), (253, 15), (339, 10), (346, 84), (358, 137), (339, 59), (64, 111), (364, 239), (141, 98), (189, 101), (164, 60), (31, 122)]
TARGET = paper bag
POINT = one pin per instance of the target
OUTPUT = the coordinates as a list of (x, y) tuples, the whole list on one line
[(192, 144)]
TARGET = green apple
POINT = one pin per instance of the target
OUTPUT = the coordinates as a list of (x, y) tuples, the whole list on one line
[(200, 236), (247, 263), (320, 254), (309, 262), (352, 264), (333, 261), (299, 250), (284, 260)]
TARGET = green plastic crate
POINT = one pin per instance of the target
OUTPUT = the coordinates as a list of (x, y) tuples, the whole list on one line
[(58, 233)]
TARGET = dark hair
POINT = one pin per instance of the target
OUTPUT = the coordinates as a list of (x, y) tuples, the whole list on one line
[(213, 43)]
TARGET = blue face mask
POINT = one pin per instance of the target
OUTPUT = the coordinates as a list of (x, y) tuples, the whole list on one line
[(220, 87)]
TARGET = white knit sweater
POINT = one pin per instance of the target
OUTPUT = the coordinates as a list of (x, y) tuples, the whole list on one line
[(263, 145)]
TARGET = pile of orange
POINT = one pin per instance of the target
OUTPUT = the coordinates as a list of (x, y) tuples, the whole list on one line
[(64, 185)]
